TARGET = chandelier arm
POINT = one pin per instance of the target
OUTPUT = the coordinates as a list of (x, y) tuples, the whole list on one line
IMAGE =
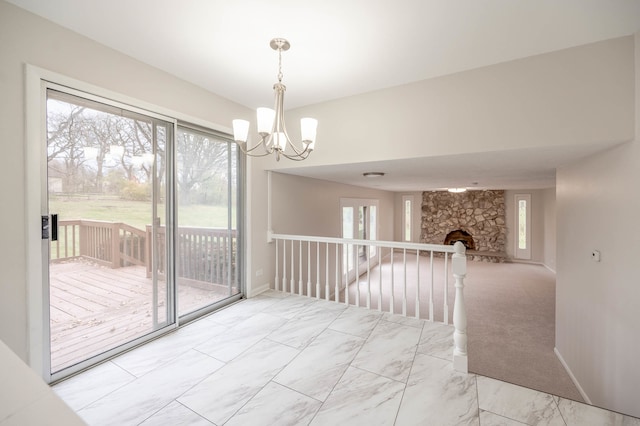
[(297, 157), (279, 125), (268, 151)]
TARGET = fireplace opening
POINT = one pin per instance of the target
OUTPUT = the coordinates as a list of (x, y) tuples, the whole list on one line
[(462, 236)]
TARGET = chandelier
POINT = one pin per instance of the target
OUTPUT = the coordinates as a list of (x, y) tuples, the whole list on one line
[(271, 127)]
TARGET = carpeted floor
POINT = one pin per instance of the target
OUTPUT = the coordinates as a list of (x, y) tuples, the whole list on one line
[(510, 317), (511, 326)]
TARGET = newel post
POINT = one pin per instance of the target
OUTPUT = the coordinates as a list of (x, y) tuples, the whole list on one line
[(459, 267)]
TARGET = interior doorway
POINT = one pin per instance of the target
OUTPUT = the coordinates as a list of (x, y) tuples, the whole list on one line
[(359, 218)]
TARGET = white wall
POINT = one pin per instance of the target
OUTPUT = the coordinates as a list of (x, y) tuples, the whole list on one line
[(26, 38), (597, 320), (571, 97)]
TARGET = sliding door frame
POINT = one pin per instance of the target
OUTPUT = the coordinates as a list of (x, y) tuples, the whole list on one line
[(37, 297)]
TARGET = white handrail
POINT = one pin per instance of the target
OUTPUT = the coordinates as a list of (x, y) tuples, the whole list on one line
[(373, 243)]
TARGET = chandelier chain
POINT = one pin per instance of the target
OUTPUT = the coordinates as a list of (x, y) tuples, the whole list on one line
[(280, 65)]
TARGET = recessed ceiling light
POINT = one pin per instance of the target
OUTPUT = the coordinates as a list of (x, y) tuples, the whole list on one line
[(372, 174)]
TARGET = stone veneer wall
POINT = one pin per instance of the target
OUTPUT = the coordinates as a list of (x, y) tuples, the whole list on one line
[(480, 213)]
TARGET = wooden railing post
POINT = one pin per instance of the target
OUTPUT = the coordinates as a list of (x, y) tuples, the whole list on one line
[(115, 245), (459, 266)]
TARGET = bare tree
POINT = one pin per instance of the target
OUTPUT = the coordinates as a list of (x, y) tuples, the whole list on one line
[(201, 160)]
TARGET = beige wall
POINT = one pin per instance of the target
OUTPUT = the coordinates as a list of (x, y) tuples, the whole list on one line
[(578, 96), (307, 206), (549, 200), (597, 321), (28, 39)]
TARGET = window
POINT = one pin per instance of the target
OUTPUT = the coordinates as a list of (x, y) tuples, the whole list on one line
[(523, 226), (407, 218)]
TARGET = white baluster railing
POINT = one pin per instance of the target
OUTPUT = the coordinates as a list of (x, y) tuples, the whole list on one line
[(331, 273)]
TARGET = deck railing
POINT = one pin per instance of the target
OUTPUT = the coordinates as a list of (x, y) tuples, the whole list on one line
[(203, 254), (375, 274)]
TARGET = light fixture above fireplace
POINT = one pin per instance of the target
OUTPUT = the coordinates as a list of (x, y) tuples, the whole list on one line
[(457, 190), (373, 174), (271, 128)]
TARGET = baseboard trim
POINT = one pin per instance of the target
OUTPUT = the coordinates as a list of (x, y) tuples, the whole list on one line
[(573, 378), (256, 291)]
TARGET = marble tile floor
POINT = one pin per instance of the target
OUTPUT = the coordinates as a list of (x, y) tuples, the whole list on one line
[(280, 359)]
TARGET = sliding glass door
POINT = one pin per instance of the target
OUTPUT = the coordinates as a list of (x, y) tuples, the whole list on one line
[(142, 222), (109, 259), (207, 269)]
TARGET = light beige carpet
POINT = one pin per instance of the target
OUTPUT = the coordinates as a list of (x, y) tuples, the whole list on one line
[(510, 317)]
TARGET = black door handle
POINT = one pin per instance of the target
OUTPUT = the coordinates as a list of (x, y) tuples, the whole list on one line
[(54, 227)]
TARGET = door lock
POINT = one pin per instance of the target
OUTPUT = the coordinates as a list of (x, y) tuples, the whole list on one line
[(46, 230)]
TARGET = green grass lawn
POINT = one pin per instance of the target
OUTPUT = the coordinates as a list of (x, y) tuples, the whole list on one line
[(135, 213)]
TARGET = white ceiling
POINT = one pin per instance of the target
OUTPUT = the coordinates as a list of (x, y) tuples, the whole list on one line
[(345, 47)]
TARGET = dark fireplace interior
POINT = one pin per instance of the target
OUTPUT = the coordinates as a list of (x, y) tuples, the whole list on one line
[(462, 236)]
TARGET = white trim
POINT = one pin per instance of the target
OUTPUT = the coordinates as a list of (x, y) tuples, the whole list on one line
[(258, 290), (33, 149), (573, 378)]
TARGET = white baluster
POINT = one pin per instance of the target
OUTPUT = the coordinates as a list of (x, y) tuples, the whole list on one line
[(336, 293), (346, 284), (391, 300), (326, 275), (308, 268), (459, 266), (380, 279), (446, 288), (284, 265), (292, 287), (404, 286), (300, 268), (368, 248), (318, 270), (418, 284), (431, 288), (356, 267), (277, 280)]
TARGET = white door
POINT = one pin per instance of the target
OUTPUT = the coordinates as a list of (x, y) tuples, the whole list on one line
[(359, 222)]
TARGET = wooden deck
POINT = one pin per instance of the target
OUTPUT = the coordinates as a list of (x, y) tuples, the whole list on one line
[(96, 308)]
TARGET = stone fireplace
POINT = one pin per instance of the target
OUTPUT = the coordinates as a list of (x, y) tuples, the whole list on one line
[(476, 218)]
